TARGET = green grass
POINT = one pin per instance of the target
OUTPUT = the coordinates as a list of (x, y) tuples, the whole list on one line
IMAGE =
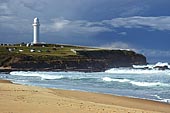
[(51, 50)]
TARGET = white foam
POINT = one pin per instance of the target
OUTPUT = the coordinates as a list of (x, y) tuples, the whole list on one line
[(108, 79), (162, 64), (133, 71), (151, 66), (148, 84), (162, 99), (143, 66), (142, 84), (52, 75), (166, 100), (157, 96), (36, 74)]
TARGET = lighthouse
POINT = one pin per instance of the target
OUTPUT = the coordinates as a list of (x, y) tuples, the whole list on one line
[(36, 28)]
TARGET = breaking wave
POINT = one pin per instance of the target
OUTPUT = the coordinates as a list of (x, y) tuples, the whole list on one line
[(125, 81), (134, 71), (141, 69), (142, 84), (78, 76), (149, 84), (151, 66), (53, 75), (161, 99), (43, 75), (108, 79)]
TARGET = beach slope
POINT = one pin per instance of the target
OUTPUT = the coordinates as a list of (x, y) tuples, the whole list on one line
[(15, 98)]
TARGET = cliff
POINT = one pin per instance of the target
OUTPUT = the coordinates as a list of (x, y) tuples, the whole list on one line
[(79, 59)]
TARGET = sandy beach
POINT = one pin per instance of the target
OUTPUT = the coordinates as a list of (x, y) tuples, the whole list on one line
[(15, 98)]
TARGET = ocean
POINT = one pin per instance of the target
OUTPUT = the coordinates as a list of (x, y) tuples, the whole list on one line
[(151, 84)]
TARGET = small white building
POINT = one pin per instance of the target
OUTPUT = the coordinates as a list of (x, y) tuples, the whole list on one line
[(32, 50), (20, 50)]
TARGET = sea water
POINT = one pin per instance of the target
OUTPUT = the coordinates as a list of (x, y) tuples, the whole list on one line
[(149, 84)]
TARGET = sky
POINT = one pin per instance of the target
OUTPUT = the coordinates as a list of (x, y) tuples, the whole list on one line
[(139, 25)]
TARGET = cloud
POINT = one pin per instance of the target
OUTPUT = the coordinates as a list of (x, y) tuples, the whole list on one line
[(4, 9), (85, 17), (147, 52), (83, 26), (14, 24), (157, 23), (133, 10), (118, 45), (76, 26), (34, 5), (154, 53), (123, 33), (84, 9), (88, 27), (56, 25)]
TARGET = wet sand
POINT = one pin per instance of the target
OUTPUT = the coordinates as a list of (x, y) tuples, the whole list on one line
[(15, 98)]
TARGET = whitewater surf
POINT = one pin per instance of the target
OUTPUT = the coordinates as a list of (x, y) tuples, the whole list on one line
[(150, 83)]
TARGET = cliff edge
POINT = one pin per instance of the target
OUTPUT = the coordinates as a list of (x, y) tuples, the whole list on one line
[(66, 58)]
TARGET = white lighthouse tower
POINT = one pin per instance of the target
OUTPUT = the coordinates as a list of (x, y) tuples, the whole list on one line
[(36, 31)]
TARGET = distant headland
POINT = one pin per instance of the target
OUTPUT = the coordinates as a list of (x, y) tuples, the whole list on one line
[(56, 57)]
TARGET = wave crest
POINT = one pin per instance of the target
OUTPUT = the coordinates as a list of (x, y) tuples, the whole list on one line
[(152, 66), (141, 84), (52, 75), (108, 79), (36, 74)]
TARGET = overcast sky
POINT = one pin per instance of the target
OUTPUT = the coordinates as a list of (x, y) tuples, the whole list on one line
[(141, 25)]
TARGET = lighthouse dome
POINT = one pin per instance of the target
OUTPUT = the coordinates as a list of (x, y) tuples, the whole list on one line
[(36, 20)]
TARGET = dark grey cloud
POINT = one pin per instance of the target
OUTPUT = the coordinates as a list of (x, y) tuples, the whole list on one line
[(76, 9), (4, 9), (35, 6), (81, 28), (4, 1), (82, 9), (87, 22)]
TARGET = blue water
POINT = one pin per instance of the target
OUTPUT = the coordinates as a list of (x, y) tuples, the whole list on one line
[(138, 83)]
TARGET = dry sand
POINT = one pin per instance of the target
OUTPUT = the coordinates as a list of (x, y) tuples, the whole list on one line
[(15, 98)]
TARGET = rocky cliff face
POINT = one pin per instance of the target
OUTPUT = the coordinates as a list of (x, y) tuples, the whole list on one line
[(87, 61), (116, 58)]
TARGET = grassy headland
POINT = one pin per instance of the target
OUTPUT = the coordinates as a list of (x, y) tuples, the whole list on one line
[(65, 57)]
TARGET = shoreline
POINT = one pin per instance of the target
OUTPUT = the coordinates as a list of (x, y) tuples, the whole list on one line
[(21, 98), (155, 100), (9, 69)]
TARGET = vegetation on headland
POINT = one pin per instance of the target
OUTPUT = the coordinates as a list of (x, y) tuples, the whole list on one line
[(65, 58)]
